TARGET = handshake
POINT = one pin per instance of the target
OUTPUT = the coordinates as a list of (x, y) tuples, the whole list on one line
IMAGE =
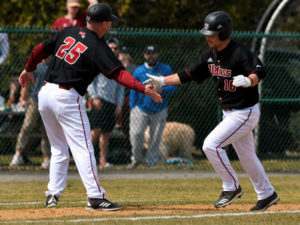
[(156, 82)]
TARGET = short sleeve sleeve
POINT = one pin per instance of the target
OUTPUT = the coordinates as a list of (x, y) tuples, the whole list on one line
[(107, 63)]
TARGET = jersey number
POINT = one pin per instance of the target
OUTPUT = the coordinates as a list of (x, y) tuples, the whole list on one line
[(71, 50), (228, 86)]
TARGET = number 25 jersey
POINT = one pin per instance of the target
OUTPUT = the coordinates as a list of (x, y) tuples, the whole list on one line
[(79, 55)]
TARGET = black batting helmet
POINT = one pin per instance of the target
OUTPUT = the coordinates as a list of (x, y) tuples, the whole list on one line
[(100, 12), (218, 22)]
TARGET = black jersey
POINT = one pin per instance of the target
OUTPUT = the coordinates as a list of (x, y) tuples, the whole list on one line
[(223, 65), (78, 56)]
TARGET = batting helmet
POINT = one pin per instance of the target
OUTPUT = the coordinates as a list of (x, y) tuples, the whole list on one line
[(218, 22), (100, 12)]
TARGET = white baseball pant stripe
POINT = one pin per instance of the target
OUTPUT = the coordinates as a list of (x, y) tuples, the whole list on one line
[(67, 124), (236, 129)]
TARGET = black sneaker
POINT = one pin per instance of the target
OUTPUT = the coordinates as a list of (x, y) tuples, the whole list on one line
[(101, 204), (227, 197), (266, 203), (52, 201)]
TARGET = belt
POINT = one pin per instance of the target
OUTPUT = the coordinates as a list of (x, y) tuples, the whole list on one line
[(226, 109), (64, 86), (61, 86)]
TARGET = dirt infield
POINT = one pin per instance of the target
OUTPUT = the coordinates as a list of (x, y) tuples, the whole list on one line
[(44, 213)]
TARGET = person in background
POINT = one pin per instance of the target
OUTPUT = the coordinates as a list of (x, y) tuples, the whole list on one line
[(107, 99), (72, 18), (4, 50), (122, 123), (32, 120), (145, 112), (125, 58)]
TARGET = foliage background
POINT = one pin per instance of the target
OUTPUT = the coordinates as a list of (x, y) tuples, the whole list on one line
[(179, 14)]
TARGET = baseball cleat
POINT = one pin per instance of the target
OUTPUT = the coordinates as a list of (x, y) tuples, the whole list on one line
[(266, 203), (95, 204), (52, 201), (227, 197)]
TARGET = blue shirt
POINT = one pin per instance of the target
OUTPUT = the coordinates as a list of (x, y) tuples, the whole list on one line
[(39, 75), (144, 102)]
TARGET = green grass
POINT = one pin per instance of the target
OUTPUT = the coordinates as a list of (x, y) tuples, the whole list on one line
[(148, 192), (270, 165), (182, 191)]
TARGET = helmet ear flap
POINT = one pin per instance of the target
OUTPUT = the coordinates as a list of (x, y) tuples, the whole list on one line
[(223, 35)]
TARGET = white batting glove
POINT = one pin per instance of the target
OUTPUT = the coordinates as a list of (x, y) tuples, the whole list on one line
[(242, 81), (157, 82)]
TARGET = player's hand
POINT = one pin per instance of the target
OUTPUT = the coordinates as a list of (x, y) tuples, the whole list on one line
[(97, 103), (118, 111), (157, 82), (22, 102), (153, 94), (25, 77), (242, 81)]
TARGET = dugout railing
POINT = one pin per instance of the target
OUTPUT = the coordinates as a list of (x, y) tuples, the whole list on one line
[(278, 132)]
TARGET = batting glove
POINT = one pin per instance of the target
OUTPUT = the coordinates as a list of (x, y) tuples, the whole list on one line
[(242, 81), (157, 82)]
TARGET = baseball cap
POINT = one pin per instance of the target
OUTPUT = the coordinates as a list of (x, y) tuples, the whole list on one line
[(113, 40), (124, 50), (100, 12), (150, 49), (73, 3)]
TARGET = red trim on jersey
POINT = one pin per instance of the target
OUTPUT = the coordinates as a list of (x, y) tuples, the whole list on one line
[(227, 139), (257, 71), (126, 79), (87, 146), (188, 73), (111, 73), (213, 51), (37, 55)]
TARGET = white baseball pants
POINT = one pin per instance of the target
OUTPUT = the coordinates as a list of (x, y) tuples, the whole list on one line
[(236, 129), (67, 125)]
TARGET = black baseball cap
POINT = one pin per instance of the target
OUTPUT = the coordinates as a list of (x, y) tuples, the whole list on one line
[(100, 12), (150, 49), (124, 50)]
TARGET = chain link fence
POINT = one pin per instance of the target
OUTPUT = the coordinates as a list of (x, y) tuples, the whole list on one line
[(277, 134)]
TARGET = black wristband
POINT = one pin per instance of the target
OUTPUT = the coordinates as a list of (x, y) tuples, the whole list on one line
[(184, 77)]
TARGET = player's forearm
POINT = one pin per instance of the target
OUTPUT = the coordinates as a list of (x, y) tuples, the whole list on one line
[(254, 79), (127, 80), (172, 79), (37, 55)]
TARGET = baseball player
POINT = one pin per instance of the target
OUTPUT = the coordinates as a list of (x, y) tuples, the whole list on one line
[(236, 73), (79, 55)]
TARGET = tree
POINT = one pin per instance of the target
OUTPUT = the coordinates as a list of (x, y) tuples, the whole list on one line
[(179, 14)]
